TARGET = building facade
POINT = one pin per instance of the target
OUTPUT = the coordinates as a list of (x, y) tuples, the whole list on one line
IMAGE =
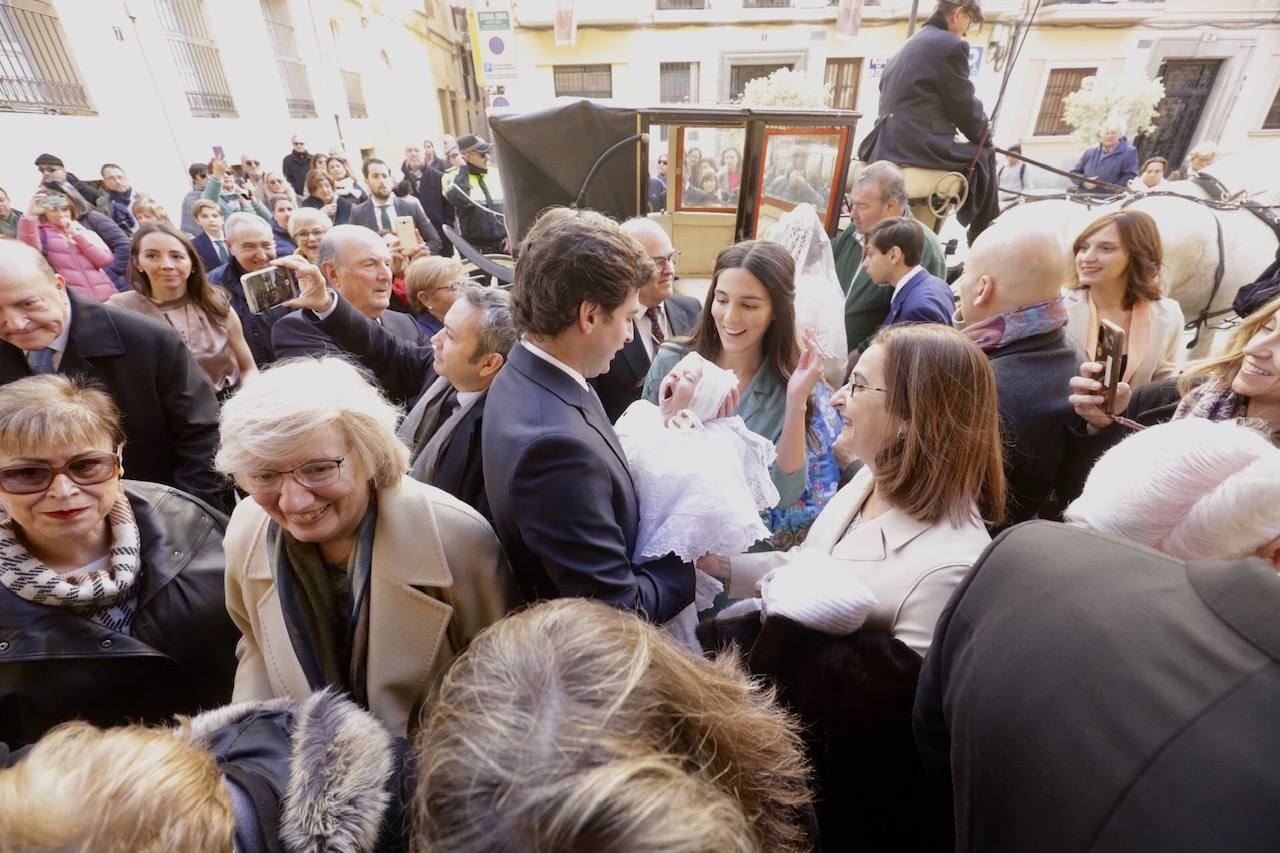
[(154, 84), (1219, 62)]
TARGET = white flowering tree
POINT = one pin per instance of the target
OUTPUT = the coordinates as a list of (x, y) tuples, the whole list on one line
[(1132, 99), (786, 88)]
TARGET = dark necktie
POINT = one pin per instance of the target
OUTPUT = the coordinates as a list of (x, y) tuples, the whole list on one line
[(386, 218), (654, 326)]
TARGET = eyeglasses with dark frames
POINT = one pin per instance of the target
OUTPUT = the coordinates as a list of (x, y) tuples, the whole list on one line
[(88, 469), (315, 474), (671, 259)]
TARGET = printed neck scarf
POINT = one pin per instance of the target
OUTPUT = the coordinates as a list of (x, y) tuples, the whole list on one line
[(1012, 326)]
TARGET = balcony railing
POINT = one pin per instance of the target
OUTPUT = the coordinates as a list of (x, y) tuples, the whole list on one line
[(766, 4), (36, 72), (668, 5)]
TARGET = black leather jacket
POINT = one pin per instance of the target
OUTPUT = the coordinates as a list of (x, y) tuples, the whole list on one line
[(179, 658)]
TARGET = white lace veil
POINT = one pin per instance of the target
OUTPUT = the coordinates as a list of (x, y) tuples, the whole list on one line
[(819, 299)]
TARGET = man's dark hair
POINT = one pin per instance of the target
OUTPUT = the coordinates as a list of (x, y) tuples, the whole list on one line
[(198, 170), (1015, 148), (570, 257), (105, 166), (901, 232), (1162, 161), (373, 161)]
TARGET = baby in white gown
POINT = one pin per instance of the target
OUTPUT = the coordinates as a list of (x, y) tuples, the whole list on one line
[(702, 480)]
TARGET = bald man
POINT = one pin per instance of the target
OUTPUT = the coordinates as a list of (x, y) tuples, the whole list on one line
[(666, 314), (356, 262), (170, 416), (1011, 306)]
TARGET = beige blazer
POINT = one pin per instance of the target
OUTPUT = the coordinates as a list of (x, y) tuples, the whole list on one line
[(1163, 348), (911, 566), (438, 578)]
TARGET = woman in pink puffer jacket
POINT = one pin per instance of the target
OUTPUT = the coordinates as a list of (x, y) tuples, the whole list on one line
[(75, 253)]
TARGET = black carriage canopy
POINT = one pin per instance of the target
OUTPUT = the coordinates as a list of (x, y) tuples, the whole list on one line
[(544, 157)]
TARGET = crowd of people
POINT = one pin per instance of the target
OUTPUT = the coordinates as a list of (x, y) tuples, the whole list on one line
[(410, 562)]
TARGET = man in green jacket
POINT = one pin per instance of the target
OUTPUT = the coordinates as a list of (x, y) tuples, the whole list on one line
[(878, 193)]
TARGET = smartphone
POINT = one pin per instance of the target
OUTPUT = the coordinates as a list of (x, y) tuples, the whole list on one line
[(265, 289), (1110, 354), (407, 232), (218, 153)]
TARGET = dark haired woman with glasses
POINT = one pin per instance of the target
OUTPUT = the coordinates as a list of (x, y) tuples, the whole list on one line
[(111, 591), (342, 571)]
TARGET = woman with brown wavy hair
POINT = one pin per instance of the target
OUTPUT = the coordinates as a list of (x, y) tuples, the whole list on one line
[(169, 286), (748, 326), (575, 726), (1117, 278)]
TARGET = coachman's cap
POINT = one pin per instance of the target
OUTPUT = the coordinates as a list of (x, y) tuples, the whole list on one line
[(50, 160), (471, 142), (970, 6)]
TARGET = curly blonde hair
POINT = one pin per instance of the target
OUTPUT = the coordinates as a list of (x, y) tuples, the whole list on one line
[(124, 790), (573, 726)]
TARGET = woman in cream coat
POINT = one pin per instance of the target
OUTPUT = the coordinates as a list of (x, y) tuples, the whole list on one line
[(1117, 278), (341, 570), (905, 531)]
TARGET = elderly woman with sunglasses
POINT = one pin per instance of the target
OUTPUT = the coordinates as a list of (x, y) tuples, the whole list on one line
[(111, 591), (342, 571)]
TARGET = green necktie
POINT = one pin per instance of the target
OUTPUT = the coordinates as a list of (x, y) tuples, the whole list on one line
[(386, 218)]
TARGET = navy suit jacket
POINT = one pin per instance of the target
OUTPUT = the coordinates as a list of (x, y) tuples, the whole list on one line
[(924, 298), (366, 214), (621, 384), (562, 497), (207, 251), (295, 334)]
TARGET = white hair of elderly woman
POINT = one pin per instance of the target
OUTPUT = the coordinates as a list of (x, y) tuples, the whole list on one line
[(280, 410), (1192, 488)]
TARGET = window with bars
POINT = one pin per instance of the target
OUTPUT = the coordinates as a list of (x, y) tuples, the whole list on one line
[(355, 94), (37, 74), (666, 5), (1062, 82), (766, 4), (843, 76), (679, 83), (196, 56), (293, 73), (584, 81), (1272, 121), (741, 75)]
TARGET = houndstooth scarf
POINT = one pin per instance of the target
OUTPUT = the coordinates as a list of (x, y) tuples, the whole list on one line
[(105, 596)]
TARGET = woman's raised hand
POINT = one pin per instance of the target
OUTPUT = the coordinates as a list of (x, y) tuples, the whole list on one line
[(1086, 397), (808, 369)]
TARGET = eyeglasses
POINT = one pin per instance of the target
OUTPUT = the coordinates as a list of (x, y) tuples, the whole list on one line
[(314, 232), (87, 470), (855, 387), (671, 259), (315, 474), (453, 288), (252, 163)]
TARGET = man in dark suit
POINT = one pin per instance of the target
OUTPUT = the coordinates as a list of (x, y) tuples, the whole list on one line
[(561, 494), (379, 212), (1011, 307), (1086, 693), (451, 378), (666, 314), (357, 264), (170, 416), (925, 97), (892, 256), (253, 248)]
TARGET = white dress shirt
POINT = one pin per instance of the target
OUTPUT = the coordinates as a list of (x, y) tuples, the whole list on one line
[(551, 359), (906, 278)]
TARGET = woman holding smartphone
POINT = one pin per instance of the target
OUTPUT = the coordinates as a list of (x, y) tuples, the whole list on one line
[(1117, 278), (344, 183), (169, 286)]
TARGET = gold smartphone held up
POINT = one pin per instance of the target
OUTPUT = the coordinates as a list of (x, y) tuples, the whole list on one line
[(1110, 354), (408, 233), (265, 289)]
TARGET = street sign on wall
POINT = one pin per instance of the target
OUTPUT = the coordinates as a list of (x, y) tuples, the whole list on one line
[(493, 44)]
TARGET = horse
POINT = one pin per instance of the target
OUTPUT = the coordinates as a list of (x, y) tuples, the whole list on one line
[(1211, 248)]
